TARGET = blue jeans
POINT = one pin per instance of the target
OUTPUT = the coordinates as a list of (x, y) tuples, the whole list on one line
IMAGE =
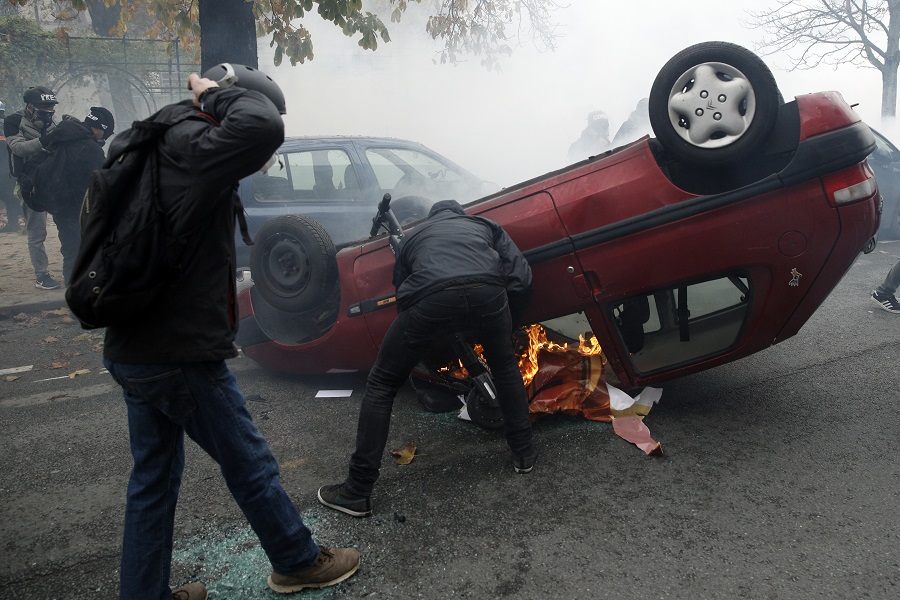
[(482, 311), (202, 399)]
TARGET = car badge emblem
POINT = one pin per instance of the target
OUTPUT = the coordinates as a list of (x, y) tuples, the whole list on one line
[(795, 282)]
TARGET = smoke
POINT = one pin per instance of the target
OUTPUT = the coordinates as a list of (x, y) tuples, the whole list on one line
[(517, 124)]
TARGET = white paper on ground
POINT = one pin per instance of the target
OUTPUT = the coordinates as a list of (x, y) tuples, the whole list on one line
[(334, 393), (619, 400)]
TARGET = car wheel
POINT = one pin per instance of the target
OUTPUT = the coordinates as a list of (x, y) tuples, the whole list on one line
[(411, 208), (293, 263), (481, 412), (713, 103)]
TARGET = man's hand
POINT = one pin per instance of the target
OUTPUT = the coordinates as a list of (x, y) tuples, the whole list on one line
[(199, 85)]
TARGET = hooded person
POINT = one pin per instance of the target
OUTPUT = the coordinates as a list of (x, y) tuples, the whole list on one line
[(74, 149), (455, 273)]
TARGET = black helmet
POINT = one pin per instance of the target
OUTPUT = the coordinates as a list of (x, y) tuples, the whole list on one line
[(39, 95), (231, 74)]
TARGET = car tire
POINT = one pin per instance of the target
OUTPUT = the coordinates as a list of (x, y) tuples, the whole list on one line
[(293, 263), (481, 412), (713, 103)]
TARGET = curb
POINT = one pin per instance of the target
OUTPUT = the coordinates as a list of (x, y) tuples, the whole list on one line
[(51, 304)]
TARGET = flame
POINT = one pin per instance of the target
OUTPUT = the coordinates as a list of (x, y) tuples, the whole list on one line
[(537, 341), (528, 356)]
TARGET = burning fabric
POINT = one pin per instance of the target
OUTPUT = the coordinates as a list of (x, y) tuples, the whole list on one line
[(560, 376), (560, 379)]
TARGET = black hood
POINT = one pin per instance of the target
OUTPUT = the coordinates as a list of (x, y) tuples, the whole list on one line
[(451, 205), (70, 130)]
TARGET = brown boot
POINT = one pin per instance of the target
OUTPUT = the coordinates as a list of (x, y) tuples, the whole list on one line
[(333, 566), (190, 591)]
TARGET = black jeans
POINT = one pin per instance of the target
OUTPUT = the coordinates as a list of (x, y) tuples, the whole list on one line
[(69, 230), (483, 311)]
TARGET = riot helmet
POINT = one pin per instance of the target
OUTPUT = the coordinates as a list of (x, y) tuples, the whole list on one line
[(232, 74)]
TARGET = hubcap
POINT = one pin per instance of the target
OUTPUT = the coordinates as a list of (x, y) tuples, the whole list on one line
[(288, 265), (711, 105)]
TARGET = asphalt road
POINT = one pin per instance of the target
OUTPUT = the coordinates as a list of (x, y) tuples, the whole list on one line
[(779, 480)]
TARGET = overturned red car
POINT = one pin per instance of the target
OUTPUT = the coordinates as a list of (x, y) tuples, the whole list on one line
[(715, 239)]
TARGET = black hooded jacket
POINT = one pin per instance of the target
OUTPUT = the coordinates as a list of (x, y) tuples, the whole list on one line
[(452, 248), (201, 162), (66, 173)]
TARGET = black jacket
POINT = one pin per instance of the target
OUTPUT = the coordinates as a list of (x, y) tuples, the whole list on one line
[(201, 163), (452, 248), (65, 174)]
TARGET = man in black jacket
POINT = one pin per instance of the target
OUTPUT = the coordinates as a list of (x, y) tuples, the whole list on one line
[(73, 149), (171, 362), (454, 273), (8, 183)]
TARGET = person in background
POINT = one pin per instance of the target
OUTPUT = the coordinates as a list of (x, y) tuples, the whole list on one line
[(637, 125), (883, 296), (75, 149), (594, 139), (8, 183), (455, 273), (171, 362), (24, 133)]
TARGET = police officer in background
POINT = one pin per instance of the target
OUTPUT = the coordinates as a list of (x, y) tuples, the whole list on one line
[(25, 133), (8, 183)]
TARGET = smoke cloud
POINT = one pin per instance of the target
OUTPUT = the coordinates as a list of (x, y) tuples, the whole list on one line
[(517, 124)]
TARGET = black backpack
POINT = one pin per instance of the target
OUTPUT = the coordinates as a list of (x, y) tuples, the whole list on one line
[(34, 196), (128, 253)]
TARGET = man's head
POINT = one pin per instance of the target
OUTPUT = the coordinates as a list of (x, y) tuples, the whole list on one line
[(598, 120), (101, 122), (40, 105), (451, 205), (248, 78)]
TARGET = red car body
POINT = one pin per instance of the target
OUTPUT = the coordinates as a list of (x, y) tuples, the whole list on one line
[(759, 252)]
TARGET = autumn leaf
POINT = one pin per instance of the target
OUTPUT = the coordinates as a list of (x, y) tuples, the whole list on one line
[(51, 339), (11, 377), (67, 319), (59, 365), (59, 311), (75, 374), (405, 455)]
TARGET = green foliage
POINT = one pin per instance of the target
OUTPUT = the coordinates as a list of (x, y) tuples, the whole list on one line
[(480, 28), (28, 56)]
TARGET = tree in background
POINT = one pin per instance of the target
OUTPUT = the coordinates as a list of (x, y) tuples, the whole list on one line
[(479, 27), (837, 32), (28, 56)]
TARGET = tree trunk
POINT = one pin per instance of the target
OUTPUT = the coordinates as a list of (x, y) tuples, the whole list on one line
[(889, 92), (227, 33)]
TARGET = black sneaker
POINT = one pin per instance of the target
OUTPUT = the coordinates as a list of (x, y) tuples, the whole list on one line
[(888, 302), (45, 282), (525, 464), (340, 498), (333, 566)]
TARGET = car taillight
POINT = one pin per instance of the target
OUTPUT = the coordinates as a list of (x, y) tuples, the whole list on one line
[(849, 185)]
